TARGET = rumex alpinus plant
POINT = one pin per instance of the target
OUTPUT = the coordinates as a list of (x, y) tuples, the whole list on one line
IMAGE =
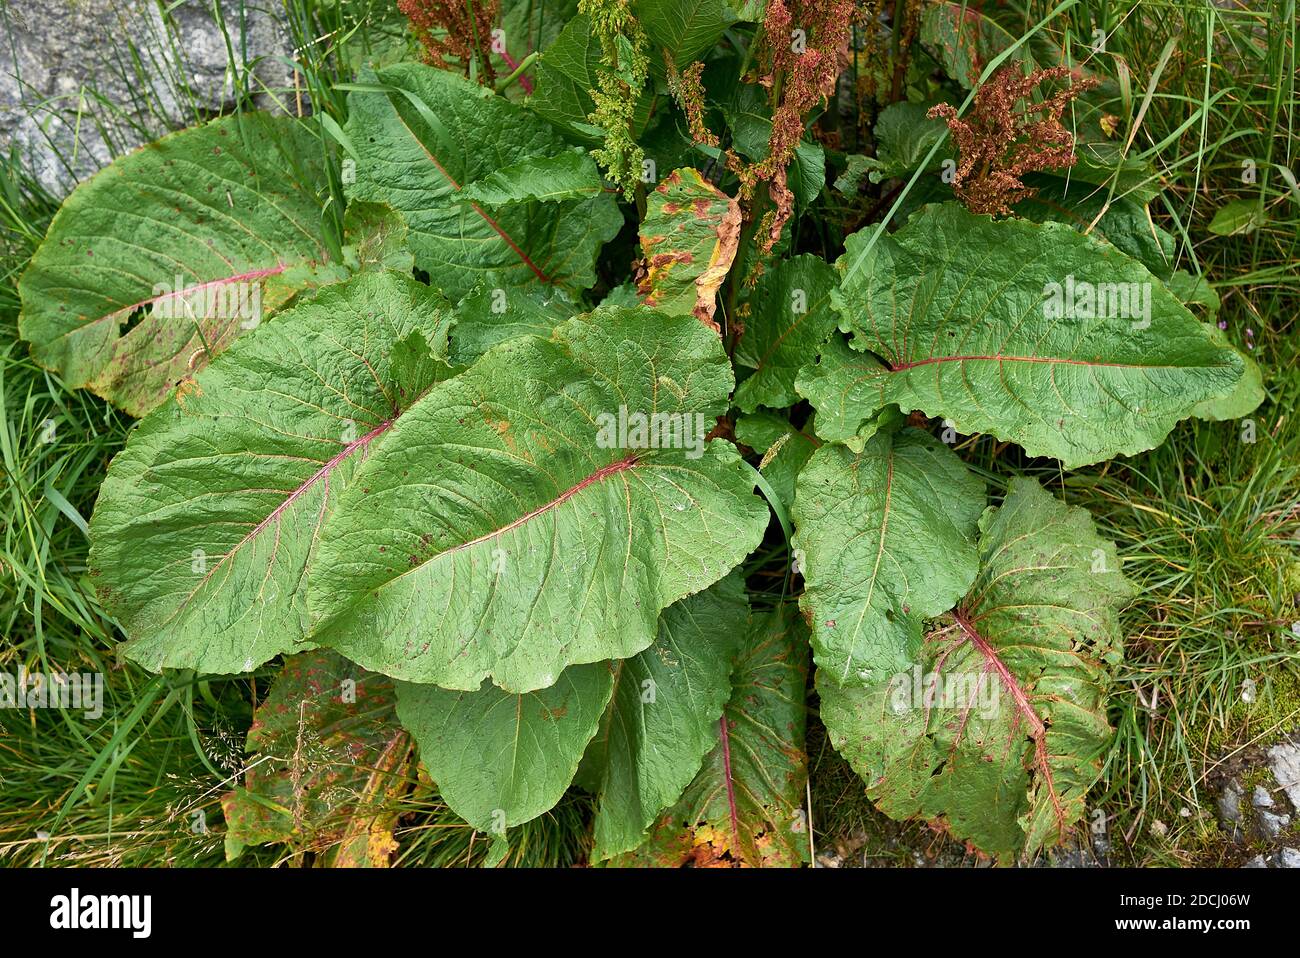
[(499, 481)]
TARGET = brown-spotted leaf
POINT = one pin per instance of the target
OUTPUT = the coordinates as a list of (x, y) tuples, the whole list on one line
[(997, 730), (745, 805), (689, 238), (161, 259), (327, 762)]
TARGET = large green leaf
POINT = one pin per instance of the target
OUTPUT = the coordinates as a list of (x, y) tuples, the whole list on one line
[(498, 758), (664, 715), (1242, 400), (790, 316), (842, 386), (904, 136), (994, 725), (329, 757), (165, 256), (206, 519), (983, 322), (689, 236), (885, 539), (1120, 220), (745, 805), (683, 29), (422, 135), (565, 176), (517, 522)]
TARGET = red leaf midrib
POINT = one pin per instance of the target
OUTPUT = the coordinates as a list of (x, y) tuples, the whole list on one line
[(999, 358), (731, 786), (1038, 729), (323, 473), (603, 472), (477, 209)]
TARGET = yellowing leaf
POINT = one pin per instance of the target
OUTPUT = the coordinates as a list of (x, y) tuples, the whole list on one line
[(331, 759), (689, 237)]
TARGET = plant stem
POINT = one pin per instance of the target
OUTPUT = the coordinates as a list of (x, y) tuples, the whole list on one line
[(524, 64), (478, 62)]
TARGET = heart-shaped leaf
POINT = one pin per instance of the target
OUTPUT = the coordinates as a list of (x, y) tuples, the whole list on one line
[(206, 519), (1031, 332), (162, 258), (540, 509)]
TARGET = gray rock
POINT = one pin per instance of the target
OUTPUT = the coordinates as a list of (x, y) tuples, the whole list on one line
[(82, 81), (1284, 760), (1288, 858), (1271, 824), (1256, 862), (1261, 797), (1230, 802)]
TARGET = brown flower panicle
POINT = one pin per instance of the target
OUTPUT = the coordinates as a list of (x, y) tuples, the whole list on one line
[(688, 91), (799, 80), (1007, 135), (445, 30)]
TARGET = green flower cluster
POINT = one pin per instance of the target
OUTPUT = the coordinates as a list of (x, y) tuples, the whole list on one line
[(623, 73)]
